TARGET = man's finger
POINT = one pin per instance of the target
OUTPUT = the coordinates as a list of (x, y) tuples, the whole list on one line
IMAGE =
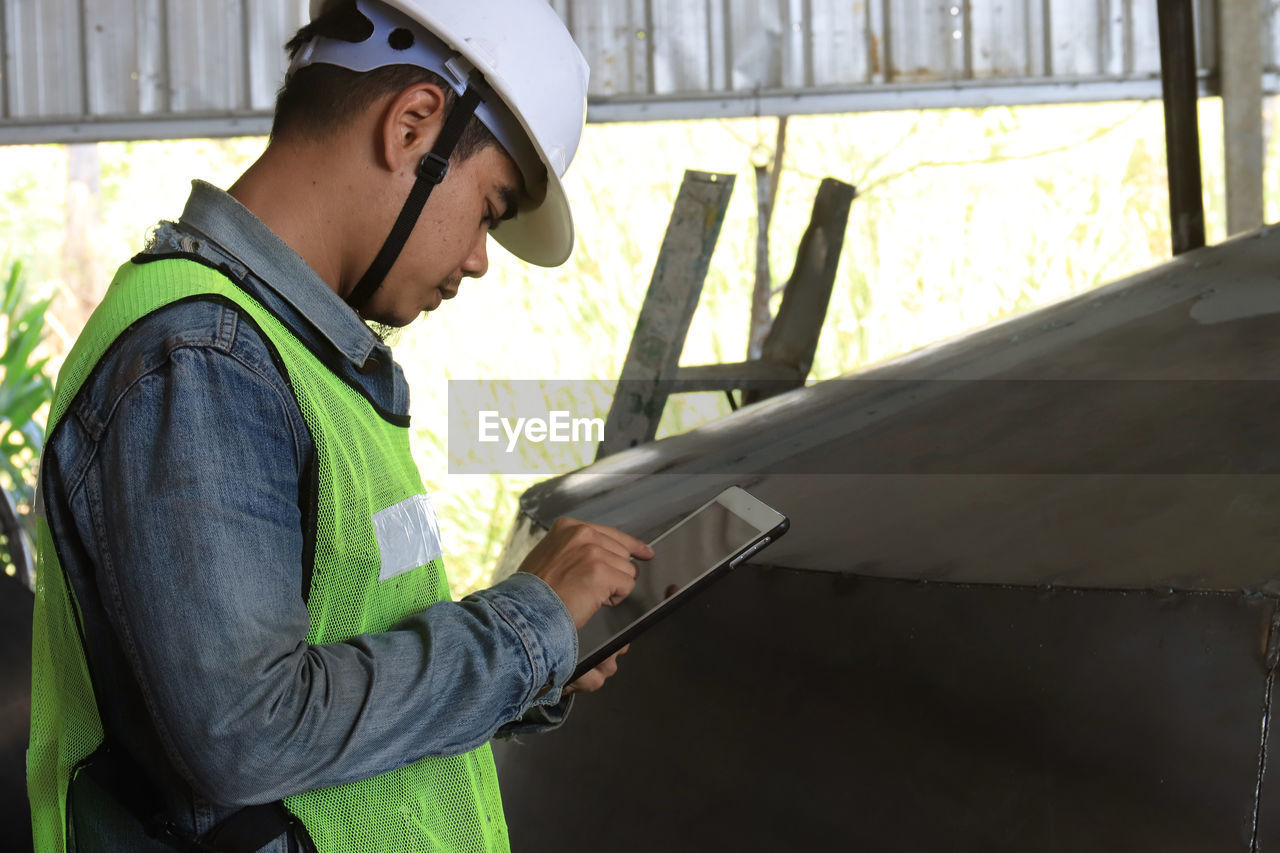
[(622, 587), (634, 546), (623, 565), (595, 535)]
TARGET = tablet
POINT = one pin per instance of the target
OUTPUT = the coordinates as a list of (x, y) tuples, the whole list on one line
[(722, 533)]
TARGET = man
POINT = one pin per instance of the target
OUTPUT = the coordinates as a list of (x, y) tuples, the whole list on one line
[(243, 639)]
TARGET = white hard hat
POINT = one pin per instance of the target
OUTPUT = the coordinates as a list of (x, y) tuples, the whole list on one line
[(527, 58)]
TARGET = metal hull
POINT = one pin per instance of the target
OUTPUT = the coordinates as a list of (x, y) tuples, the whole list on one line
[(793, 710), (1026, 602)]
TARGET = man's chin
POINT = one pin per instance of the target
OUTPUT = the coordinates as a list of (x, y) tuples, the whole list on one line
[(386, 322)]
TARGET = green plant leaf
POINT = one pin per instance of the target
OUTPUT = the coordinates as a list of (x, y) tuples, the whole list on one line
[(20, 346), (23, 408), (25, 386)]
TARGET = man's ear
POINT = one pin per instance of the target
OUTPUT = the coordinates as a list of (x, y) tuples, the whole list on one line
[(410, 126)]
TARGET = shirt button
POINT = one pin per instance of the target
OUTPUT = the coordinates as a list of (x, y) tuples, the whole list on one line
[(370, 366)]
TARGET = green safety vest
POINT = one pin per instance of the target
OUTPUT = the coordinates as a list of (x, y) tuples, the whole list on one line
[(366, 475)]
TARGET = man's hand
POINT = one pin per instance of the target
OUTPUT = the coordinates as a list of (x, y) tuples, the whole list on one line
[(592, 681), (588, 566)]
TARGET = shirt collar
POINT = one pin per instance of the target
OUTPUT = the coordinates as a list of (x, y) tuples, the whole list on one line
[(245, 237)]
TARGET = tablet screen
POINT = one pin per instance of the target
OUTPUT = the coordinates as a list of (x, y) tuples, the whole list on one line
[(681, 554)]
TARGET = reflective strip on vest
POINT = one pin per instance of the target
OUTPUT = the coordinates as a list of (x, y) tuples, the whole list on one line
[(377, 560)]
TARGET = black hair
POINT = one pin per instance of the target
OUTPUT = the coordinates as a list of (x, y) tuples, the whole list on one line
[(321, 99)]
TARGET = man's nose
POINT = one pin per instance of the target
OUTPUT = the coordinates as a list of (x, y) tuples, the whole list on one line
[(477, 263)]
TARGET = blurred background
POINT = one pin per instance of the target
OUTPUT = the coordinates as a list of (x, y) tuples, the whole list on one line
[(963, 217)]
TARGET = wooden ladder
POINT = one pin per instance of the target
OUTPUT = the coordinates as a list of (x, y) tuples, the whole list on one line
[(652, 371)]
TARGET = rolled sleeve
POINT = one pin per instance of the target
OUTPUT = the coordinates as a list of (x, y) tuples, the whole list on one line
[(542, 622)]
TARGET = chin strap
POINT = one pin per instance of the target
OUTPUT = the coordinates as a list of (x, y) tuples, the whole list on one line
[(431, 171)]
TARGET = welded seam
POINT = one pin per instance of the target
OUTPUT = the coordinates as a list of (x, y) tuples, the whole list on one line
[(1262, 759), (1271, 661), (1156, 591)]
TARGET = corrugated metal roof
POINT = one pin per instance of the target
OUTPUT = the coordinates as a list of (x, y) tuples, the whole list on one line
[(92, 69)]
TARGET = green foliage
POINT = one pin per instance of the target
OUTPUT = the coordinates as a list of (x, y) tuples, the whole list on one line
[(25, 388)]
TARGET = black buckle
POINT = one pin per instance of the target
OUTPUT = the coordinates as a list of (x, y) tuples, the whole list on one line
[(433, 168)]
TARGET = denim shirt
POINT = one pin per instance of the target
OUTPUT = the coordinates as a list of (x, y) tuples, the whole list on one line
[(174, 487)]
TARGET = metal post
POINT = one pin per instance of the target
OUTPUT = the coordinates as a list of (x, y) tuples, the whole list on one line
[(1240, 28), (1181, 123), (793, 339)]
